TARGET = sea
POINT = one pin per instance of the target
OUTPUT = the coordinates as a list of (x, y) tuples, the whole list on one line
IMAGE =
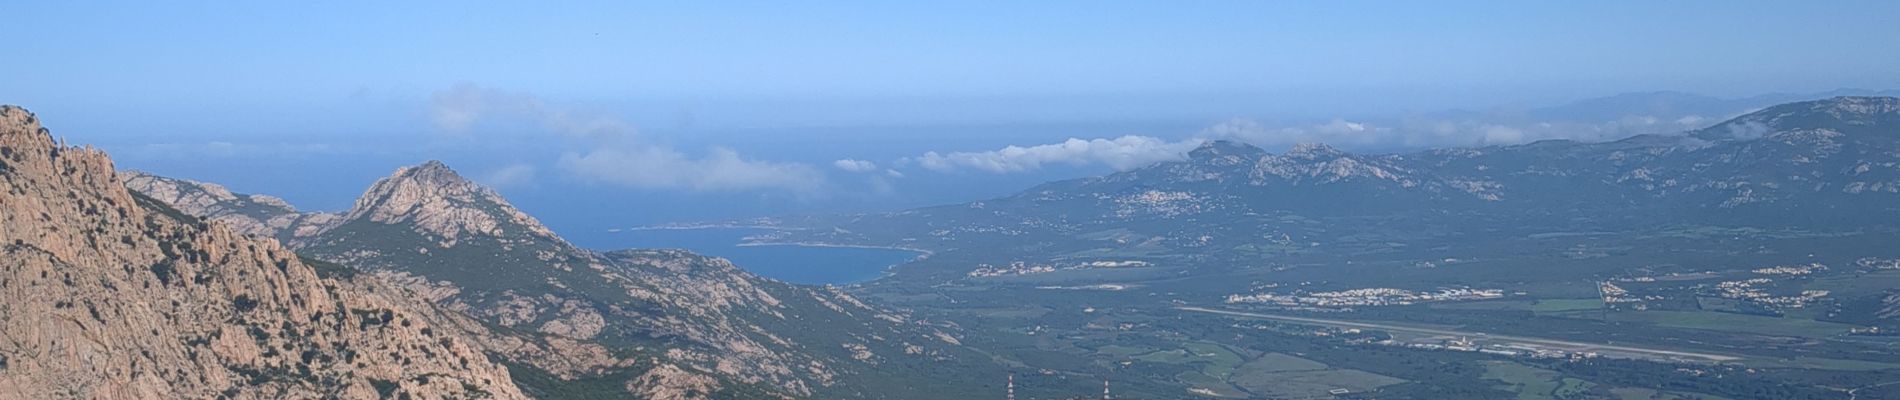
[(809, 265)]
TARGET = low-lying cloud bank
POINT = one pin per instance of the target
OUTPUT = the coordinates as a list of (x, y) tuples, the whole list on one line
[(519, 174), (664, 168), (608, 150), (1120, 153), (1133, 151), (853, 165)]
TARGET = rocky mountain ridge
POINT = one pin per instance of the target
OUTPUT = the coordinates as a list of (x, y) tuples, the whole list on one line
[(250, 214), (105, 293), (678, 325)]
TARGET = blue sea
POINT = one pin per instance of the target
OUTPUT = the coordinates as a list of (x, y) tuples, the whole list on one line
[(796, 264)]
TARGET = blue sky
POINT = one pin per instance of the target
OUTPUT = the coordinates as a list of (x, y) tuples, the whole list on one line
[(258, 55), (312, 100)]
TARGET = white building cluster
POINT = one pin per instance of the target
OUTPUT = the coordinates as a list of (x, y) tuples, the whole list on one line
[(1365, 297), (1024, 268), (1754, 290), (1792, 270), (1878, 263)]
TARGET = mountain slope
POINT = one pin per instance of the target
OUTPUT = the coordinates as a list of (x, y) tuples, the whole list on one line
[(1825, 164), (108, 294), (661, 323)]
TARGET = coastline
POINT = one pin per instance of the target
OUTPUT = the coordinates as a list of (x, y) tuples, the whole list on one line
[(921, 252), (884, 271), (694, 227)]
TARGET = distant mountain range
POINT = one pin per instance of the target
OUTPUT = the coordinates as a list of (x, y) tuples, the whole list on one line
[(1670, 104), (1828, 164)]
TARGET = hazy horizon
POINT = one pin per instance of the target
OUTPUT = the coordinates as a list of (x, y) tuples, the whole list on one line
[(623, 115)]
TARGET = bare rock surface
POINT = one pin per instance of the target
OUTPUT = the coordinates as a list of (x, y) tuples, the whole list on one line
[(108, 294)]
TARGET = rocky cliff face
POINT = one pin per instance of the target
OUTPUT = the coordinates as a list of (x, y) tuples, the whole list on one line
[(108, 294), (654, 324)]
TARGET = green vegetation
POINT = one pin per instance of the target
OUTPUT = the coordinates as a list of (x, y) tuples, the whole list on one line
[(1276, 362), (328, 269), (1307, 384), (1489, 305), (384, 388), (1731, 322), (1214, 360), (1530, 383), (1565, 306), (1830, 364)]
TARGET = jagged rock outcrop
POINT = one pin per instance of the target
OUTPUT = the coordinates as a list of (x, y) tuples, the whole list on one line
[(435, 201), (108, 294)]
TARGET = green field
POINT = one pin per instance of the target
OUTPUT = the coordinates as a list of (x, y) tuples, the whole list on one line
[(1555, 306), (1226, 373), (1490, 305), (1626, 393), (1123, 351), (1830, 363), (1220, 361), (1531, 383), (1852, 284), (1276, 362), (1311, 384), (1730, 322), (1214, 360)]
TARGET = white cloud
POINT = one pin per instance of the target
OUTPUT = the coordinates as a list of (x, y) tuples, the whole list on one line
[(512, 175), (1129, 152), (1499, 134), (851, 165), (1748, 130), (654, 167), (459, 108), (607, 149), (1338, 132), (1430, 132), (1120, 153)]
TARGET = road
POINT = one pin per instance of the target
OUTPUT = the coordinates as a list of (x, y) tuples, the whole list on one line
[(1855, 392), (1671, 354)]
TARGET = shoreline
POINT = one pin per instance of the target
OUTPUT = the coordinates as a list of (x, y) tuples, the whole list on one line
[(886, 272), (921, 252), (697, 227), (883, 272)]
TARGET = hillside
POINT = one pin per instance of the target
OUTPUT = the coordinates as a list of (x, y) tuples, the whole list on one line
[(662, 323)]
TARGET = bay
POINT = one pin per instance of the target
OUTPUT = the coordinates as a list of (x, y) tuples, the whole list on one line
[(810, 265)]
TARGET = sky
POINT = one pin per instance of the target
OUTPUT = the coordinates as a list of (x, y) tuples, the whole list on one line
[(601, 114)]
